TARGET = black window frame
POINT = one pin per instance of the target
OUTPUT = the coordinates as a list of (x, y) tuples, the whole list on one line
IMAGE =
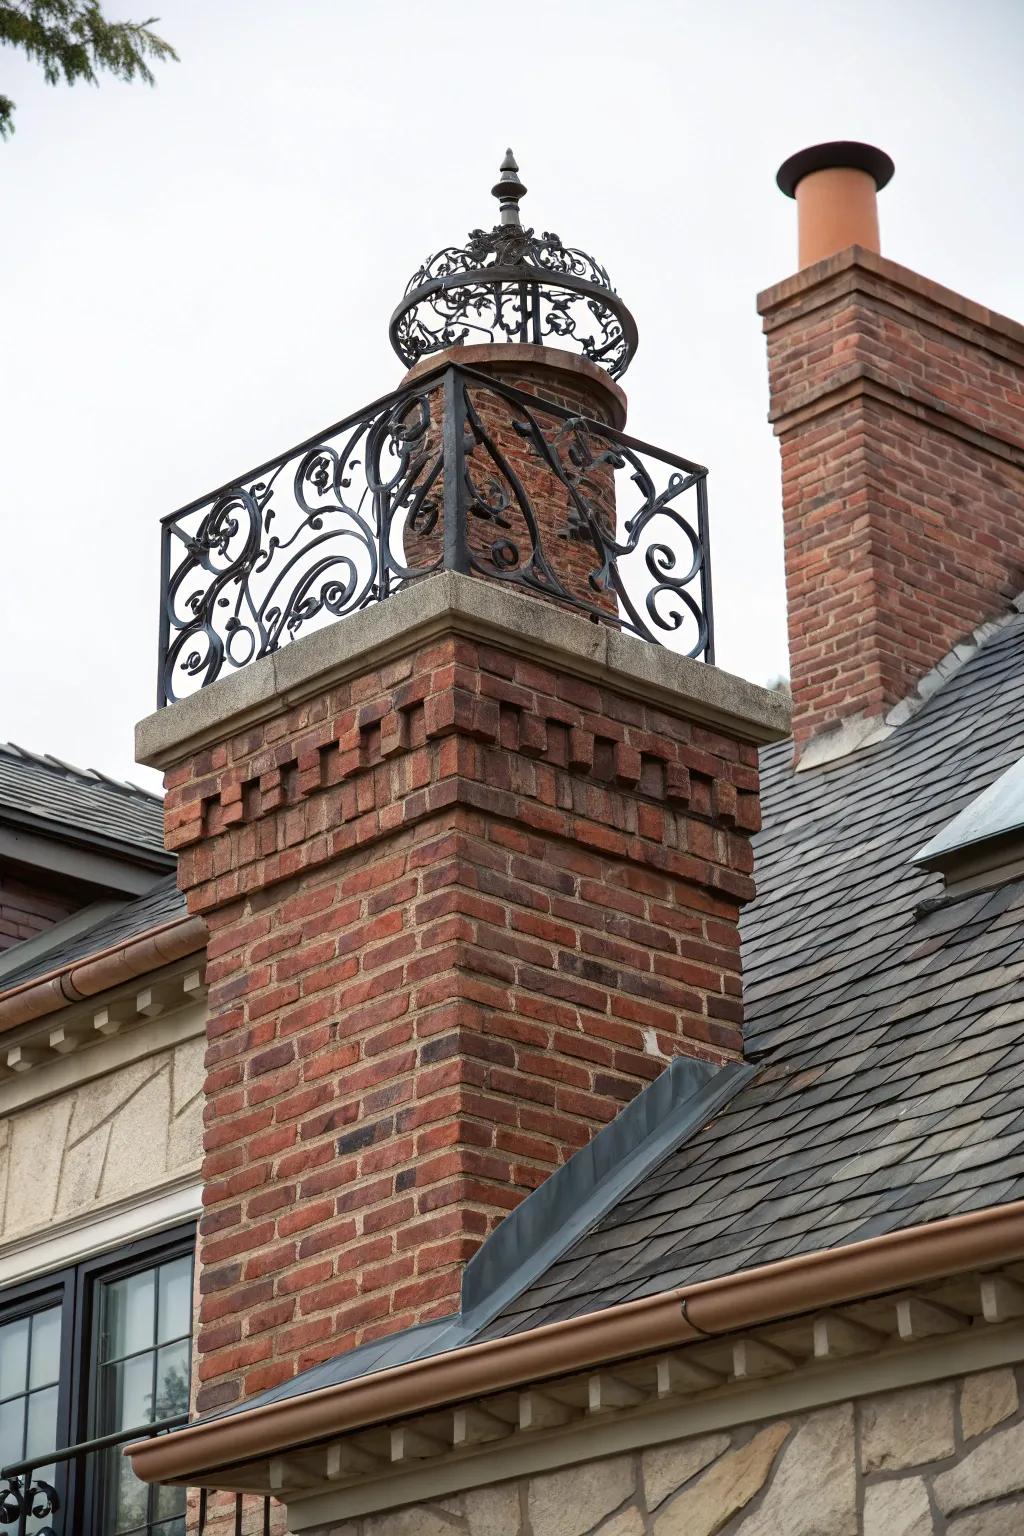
[(77, 1481), (55, 1288)]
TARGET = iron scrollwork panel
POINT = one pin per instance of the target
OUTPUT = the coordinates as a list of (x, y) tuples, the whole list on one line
[(515, 307), (24, 1502), (637, 518), (321, 532), (457, 471)]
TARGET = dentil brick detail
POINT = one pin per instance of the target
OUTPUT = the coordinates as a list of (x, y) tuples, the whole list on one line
[(462, 907)]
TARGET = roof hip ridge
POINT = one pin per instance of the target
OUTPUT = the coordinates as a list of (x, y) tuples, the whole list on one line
[(952, 662), (94, 776)]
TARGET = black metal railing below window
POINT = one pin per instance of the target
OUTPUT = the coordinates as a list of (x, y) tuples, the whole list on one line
[(452, 472), (31, 1505)]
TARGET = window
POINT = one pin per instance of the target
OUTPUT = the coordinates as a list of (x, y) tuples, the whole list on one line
[(100, 1350), (141, 1374), (35, 1321)]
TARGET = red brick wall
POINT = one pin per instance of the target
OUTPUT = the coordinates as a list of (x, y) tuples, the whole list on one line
[(566, 549), (27, 909), (461, 909), (900, 409)]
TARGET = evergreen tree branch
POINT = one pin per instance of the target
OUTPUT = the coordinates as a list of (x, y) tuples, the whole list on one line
[(73, 40)]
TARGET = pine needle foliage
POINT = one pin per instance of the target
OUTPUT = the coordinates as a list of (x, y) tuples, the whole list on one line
[(73, 40)]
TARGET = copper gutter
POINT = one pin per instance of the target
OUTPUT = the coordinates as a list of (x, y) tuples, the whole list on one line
[(97, 973), (756, 1296)]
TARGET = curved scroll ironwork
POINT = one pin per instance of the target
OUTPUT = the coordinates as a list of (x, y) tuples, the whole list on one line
[(456, 471), (316, 534), (648, 550), (511, 284), (457, 304), (28, 1498)]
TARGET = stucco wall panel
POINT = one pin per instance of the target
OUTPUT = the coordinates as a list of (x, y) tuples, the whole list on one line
[(132, 1129)]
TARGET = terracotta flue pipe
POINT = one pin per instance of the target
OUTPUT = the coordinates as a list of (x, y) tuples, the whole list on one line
[(836, 188)]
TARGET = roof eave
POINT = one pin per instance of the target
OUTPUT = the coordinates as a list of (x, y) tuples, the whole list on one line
[(197, 1453), (89, 975)]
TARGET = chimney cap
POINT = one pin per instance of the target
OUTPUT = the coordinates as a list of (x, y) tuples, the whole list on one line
[(842, 154)]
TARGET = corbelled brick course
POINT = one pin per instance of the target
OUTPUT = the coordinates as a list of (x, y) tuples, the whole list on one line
[(900, 409), (461, 908)]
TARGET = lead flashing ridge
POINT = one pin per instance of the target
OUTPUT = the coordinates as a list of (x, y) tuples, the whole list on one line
[(571, 1201)]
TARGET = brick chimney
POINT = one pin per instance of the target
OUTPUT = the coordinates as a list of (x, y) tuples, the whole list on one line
[(472, 862), (900, 410)]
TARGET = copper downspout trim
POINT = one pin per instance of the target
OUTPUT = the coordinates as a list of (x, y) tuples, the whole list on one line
[(97, 973), (766, 1294)]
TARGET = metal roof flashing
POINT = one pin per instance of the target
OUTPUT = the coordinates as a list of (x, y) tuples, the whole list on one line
[(984, 842), (570, 1202)]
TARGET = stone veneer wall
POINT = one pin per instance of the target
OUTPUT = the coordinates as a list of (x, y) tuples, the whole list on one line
[(939, 1460), (133, 1128)]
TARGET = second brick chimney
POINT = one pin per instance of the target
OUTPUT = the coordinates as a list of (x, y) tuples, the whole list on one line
[(899, 406)]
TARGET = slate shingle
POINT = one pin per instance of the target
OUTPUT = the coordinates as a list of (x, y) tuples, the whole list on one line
[(891, 1091), (160, 905), (51, 791)]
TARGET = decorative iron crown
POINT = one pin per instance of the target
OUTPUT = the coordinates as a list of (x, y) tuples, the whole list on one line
[(510, 284)]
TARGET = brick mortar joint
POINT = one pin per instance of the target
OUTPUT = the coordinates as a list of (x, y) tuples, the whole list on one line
[(870, 311), (629, 848), (676, 789)]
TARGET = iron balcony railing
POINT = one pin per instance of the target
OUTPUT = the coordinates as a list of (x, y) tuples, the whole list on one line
[(33, 1506), (455, 471)]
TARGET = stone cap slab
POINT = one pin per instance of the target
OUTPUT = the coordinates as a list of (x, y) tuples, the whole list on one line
[(450, 603)]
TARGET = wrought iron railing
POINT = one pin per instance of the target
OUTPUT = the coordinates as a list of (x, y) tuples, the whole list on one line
[(33, 1506), (455, 471)]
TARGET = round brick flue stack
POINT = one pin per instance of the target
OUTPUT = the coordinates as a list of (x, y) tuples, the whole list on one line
[(574, 384)]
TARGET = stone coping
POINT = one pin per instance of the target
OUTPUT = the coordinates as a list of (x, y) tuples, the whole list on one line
[(450, 603)]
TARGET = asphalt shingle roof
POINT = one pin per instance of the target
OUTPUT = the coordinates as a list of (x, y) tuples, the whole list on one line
[(888, 1023), (890, 1028), (160, 905), (48, 790)]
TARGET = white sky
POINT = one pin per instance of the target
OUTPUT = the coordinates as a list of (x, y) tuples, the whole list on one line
[(194, 277)]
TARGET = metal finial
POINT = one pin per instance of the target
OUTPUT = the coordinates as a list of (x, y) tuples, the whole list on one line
[(508, 189), (512, 284)]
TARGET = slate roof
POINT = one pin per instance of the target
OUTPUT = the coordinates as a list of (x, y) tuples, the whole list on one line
[(42, 789), (161, 904), (889, 1025), (887, 1022)]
